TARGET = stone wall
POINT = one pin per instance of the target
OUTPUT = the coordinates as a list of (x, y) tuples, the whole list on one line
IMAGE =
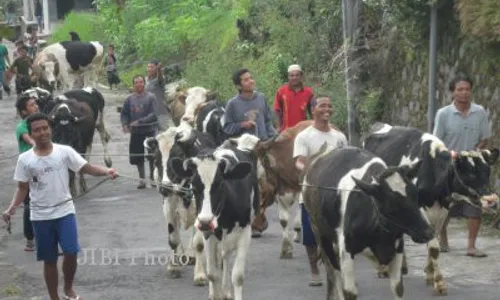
[(407, 81)]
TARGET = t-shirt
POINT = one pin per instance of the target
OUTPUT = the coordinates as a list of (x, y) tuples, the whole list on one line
[(48, 179), (22, 65), (22, 128), (309, 141), (157, 87), (291, 106), (3, 52), (239, 109), (461, 133)]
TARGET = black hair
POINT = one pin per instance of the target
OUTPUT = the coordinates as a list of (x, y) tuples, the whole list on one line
[(314, 101), (154, 62), (21, 103), (237, 75), (36, 117), (111, 46), (138, 76), (457, 79)]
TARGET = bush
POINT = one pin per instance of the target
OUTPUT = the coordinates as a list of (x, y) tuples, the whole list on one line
[(89, 27)]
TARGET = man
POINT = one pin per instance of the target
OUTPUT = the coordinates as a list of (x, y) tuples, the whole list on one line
[(155, 84), (21, 67), (463, 126), (26, 106), (4, 62), (293, 99), (138, 118), (112, 72), (43, 171), (307, 143), (248, 111)]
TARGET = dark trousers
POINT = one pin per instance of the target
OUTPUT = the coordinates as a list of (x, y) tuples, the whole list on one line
[(28, 227)]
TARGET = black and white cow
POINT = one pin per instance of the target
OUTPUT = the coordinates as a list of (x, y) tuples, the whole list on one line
[(70, 59), (358, 204), (224, 179), (440, 181), (75, 115), (179, 206)]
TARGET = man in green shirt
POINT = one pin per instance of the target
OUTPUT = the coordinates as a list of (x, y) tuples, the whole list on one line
[(21, 67), (26, 106), (4, 57)]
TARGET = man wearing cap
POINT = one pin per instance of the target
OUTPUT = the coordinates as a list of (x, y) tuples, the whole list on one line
[(293, 99), (307, 143)]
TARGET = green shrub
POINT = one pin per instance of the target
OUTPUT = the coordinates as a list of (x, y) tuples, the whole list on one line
[(89, 27)]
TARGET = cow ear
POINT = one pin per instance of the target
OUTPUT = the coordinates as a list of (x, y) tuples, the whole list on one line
[(184, 169), (240, 171), (211, 95), (368, 188), (491, 155), (411, 171)]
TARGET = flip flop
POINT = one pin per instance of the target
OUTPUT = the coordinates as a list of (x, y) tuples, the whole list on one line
[(70, 298), (477, 254)]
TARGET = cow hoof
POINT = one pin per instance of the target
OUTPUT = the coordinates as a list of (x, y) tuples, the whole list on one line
[(441, 291), (192, 261), (286, 255), (200, 281), (256, 233), (383, 274), (228, 298), (429, 281), (108, 162)]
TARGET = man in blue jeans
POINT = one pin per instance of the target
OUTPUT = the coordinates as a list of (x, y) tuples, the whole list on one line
[(43, 171)]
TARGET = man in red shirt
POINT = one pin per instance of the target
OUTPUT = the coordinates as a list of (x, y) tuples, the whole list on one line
[(293, 100)]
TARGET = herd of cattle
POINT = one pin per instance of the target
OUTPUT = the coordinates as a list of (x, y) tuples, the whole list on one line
[(361, 200)]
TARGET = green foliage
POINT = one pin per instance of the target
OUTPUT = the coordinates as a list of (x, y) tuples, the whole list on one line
[(88, 26), (480, 18)]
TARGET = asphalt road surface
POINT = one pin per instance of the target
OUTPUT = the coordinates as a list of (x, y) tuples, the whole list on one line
[(119, 225)]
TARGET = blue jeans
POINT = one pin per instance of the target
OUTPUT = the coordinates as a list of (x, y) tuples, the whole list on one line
[(308, 238), (50, 233)]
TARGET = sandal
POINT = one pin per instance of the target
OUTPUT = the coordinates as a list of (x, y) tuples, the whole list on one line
[(72, 298), (476, 253)]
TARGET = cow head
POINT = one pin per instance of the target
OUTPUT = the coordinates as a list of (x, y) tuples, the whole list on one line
[(195, 97), (397, 202), (210, 171), (471, 176), (64, 124), (49, 72)]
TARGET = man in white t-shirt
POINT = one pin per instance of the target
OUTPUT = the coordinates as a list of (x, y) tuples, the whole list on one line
[(307, 143), (43, 171)]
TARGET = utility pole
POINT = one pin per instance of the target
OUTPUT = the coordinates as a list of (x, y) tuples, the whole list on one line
[(432, 107), (351, 10)]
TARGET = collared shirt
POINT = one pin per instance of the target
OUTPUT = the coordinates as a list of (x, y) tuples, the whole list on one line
[(462, 133), (291, 106)]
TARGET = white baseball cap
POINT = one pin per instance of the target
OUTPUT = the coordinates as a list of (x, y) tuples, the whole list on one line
[(294, 68)]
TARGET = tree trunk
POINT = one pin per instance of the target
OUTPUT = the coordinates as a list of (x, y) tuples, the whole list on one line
[(352, 10)]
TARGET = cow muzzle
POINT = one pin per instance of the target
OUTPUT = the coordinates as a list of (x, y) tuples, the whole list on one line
[(206, 225), (424, 236)]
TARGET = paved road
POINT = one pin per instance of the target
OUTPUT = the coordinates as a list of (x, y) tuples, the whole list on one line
[(119, 219)]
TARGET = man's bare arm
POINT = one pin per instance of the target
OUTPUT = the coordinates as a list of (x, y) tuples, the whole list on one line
[(19, 196), (300, 162), (96, 170), (26, 137), (482, 144)]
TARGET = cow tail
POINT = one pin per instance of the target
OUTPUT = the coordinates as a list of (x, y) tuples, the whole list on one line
[(100, 102)]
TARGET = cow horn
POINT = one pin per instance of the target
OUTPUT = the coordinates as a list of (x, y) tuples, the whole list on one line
[(267, 144), (186, 163)]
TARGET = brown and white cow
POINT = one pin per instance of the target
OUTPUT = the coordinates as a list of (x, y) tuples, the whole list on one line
[(195, 97), (45, 71)]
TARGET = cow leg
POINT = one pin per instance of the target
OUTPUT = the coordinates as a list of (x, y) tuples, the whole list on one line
[(395, 271), (173, 225), (151, 171), (240, 262), (347, 266), (227, 286), (285, 204), (436, 217), (331, 263), (213, 268), (200, 277), (105, 137), (83, 182), (297, 224)]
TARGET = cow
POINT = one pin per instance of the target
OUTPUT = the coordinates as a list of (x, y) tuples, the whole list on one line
[(441, 181), (178, 206), (75, 115), (209, 118), (357, 204), (279, 179), (45, 71), (224, 179), (194, 98), (74, 59)]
